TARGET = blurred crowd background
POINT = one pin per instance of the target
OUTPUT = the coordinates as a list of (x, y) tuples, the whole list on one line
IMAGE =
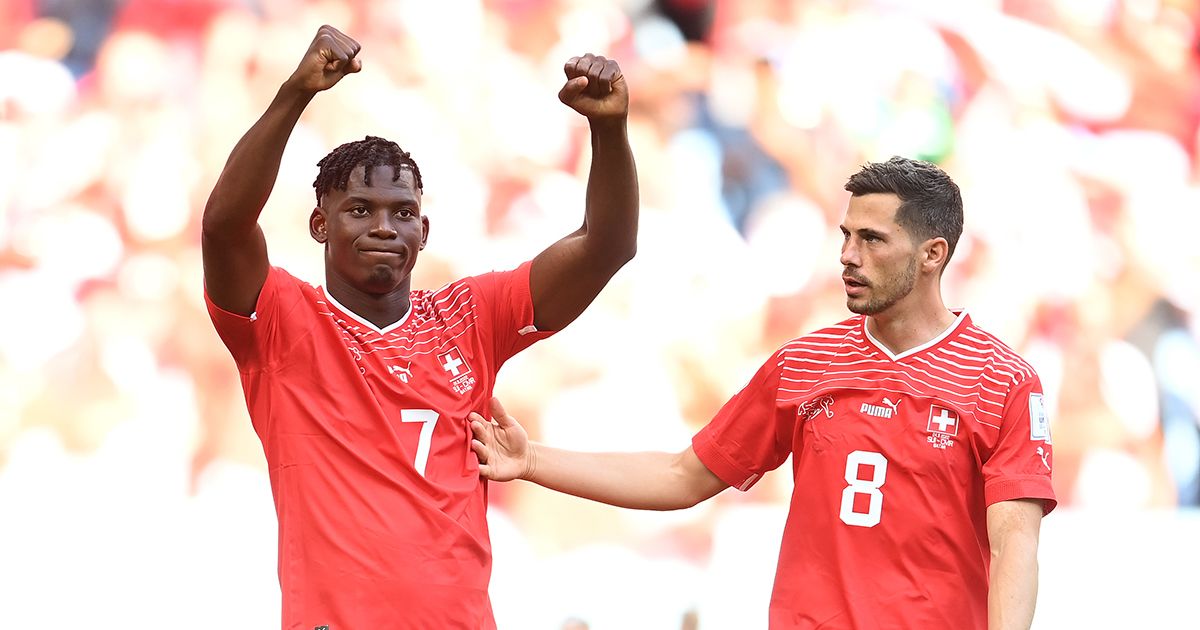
[(133, 490)]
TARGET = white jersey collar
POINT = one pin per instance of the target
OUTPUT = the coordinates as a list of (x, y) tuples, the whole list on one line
[(961, 316), (365, 322)]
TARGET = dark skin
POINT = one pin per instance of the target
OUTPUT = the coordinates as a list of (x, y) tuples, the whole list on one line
[(372, 234)]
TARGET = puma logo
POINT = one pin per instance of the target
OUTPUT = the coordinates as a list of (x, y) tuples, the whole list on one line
[(886, 410), (403, 372), (1041, 451)]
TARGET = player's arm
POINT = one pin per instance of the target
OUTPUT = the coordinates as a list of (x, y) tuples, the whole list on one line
[(644, 481), (567, 276), (1013, 528), (232, 243)]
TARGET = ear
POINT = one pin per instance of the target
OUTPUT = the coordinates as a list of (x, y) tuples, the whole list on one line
[(317, 225), (934, 253), (424, 230)]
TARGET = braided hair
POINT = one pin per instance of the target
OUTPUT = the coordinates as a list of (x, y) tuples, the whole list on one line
[(369, 152)]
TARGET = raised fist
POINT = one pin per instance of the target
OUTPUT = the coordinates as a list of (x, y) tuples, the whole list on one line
[(595, 88), (331, 56)]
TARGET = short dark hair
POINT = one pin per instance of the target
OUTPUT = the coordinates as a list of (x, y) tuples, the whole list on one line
[(930, 202), (369, 152)]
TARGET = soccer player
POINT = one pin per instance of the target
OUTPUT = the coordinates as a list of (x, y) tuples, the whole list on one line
[(919, 442), (359, 391)]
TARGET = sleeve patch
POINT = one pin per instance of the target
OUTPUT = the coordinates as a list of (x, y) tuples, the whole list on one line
[(1039, 422)]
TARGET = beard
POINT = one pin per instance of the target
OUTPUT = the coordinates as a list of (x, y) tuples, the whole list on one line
[(382, 276), (887, 292)]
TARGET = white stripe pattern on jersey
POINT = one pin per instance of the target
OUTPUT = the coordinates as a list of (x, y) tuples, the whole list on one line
[(968, 367), (431, 315)]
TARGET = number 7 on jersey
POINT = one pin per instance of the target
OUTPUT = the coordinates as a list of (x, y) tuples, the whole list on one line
[(429, 417)]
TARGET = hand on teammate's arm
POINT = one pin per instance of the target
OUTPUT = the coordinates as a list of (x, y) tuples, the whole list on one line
[(502, 446), (1013, 529), (232, 244), (646, 480), (569, 274)]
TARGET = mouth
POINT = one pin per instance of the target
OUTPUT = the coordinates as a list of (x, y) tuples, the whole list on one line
[(854, 285)]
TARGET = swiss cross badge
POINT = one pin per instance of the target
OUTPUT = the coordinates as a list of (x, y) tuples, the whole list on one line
[(457, 370), (942, 427), (942, 420)]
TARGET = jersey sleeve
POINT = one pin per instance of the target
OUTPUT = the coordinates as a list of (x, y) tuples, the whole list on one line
[(1019, 466), (256, 342), (507, 311), (751, 434)]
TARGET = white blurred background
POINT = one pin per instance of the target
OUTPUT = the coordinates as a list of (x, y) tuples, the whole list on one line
[(133, 493)]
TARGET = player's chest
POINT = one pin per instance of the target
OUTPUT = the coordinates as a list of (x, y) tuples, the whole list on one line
[(918, 429), (433, 366)]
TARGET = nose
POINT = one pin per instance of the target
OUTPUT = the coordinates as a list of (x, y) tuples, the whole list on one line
[(849, 257), (383, 227)]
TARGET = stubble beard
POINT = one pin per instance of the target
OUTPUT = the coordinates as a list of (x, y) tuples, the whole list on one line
[(380, 275), (382, 279), (896, 288)]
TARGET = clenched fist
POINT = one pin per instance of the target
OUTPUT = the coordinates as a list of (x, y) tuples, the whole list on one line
[(595, 88), (331, 56)]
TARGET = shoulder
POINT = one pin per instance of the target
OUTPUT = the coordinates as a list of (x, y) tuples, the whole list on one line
[(283, 279), (825, 340), (851, 327), (1001, 359), (298, 302), (447, 299), (281, 291), (497, 290)]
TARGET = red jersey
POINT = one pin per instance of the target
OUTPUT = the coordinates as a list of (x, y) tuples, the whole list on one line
[(382, 513), (895, 459)]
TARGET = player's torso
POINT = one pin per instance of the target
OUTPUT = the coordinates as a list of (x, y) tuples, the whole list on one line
[(887, 511), (912, 428), (370, 457), (382, 512), (919, 449), (888, 487), (396, 399)]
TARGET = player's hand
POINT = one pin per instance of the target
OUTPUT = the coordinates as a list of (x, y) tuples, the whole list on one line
[(501, 445), (595, 88), (331, 56)]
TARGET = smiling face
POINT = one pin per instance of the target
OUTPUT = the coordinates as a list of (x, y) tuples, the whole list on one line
[(371, 233), (879, 258)]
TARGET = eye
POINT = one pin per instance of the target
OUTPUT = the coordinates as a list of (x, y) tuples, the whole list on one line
[(406, 213), (358, 211)]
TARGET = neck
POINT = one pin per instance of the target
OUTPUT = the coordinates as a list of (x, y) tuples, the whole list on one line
[(382, 309), (901, 328)]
